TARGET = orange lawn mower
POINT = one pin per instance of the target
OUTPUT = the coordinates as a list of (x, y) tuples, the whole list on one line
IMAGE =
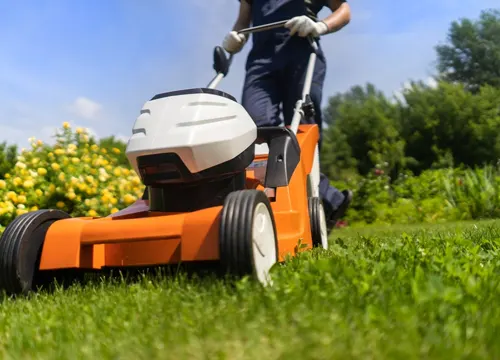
[(218, 190)]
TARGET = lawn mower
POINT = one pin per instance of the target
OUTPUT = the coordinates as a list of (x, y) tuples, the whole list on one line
[(219, 190)]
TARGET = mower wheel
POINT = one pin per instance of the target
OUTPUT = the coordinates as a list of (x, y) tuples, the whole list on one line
[(20, 249), (248, 239), (318, 223)]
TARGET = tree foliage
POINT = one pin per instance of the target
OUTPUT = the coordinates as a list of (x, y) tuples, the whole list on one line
[(356, 95), (363, 133), (454, 123), (472, 54), (433, 127), (449, 126)]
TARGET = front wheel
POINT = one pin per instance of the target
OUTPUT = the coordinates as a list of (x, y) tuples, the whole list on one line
[(20, 250), (248, 240)]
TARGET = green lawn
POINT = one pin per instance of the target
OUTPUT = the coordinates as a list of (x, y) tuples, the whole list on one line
[(404, 292)]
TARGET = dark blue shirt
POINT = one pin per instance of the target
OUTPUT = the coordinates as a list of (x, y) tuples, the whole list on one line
[(313, 7), (267, 44)]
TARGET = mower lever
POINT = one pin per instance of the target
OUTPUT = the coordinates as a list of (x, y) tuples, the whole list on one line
[(264, 27), (275, 25)]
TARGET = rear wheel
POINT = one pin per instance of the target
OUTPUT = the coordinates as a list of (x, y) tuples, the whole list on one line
[(248, 241), (20, 250), (317, 217)]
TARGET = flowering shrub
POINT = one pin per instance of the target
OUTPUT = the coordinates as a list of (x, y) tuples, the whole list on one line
[(74, 175)]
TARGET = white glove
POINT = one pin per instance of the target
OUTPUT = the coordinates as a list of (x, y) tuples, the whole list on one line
[(305, 26), (234, 42)]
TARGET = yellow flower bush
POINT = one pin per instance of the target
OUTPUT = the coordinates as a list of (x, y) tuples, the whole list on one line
[(74, 175)]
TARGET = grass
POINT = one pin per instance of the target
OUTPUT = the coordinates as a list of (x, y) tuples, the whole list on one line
[(378, 293)]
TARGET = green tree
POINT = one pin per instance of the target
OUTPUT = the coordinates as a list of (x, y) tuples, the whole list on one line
[(472, 54), (365, 133), (450, 126), (356, 94)]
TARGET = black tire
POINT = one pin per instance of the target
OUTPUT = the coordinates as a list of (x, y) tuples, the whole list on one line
[(236, 233), (315, 213), (20, 249)]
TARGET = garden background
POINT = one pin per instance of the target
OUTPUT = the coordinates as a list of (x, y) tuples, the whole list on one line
[(429, 154)]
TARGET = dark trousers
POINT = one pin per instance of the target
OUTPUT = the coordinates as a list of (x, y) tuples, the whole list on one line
[(270, 84)]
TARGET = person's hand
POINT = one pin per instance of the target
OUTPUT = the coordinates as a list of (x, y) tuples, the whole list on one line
[(234, 42), (304, 26)]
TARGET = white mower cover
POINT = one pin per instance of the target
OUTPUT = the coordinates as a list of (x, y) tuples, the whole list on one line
[(203, 129)]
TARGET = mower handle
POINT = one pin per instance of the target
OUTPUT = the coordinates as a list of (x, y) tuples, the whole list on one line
[(274, 25), (264, 27), (222, 64)]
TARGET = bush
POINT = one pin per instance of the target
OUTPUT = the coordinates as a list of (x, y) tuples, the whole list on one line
[(75, 175), (433, 196)]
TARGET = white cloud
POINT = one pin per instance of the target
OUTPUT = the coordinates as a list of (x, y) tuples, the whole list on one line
[(85, 108)]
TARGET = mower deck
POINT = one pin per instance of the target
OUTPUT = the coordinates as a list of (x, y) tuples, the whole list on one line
[(137, 237)]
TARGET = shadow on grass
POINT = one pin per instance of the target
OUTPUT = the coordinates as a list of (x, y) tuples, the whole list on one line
[(194, 274)]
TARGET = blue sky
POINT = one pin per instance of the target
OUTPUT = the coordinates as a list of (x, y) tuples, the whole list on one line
[(94, 63)]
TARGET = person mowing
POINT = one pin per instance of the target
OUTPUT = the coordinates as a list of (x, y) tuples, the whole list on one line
[(276, 68)]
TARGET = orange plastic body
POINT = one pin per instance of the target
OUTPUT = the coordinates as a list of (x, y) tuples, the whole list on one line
[(137, 237)]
